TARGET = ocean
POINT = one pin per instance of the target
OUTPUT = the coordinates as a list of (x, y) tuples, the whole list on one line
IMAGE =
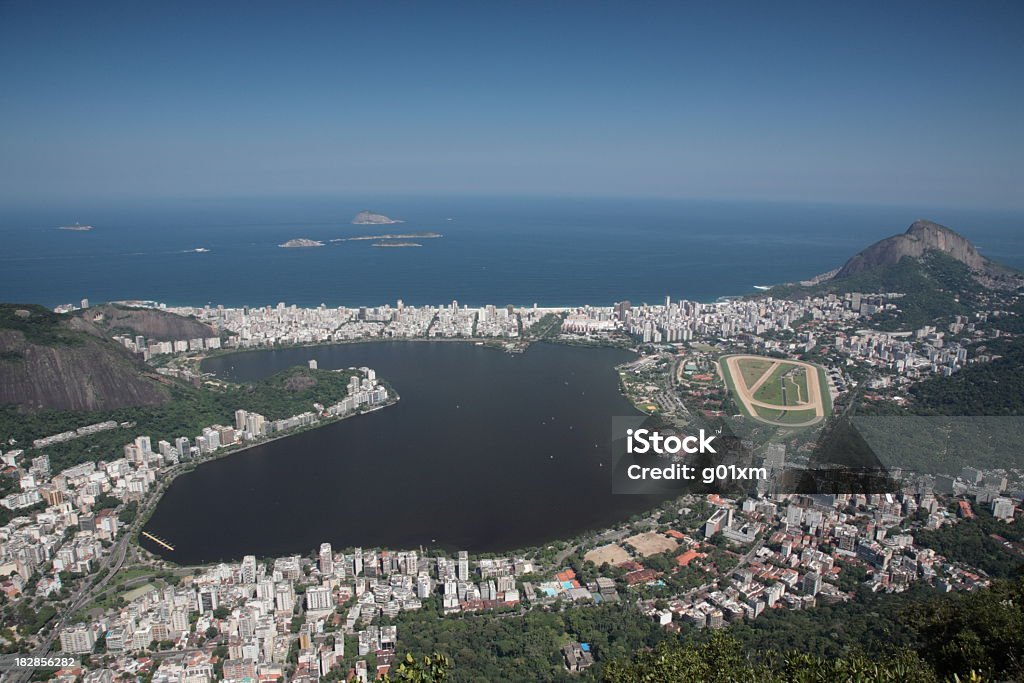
[(553, 252)]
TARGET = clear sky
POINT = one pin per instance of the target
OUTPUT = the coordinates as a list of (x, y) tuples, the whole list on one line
[(890, 102)]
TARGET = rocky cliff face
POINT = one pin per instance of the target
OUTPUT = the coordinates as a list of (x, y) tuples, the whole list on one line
[(921, 237), (51, 362), (150, 323)]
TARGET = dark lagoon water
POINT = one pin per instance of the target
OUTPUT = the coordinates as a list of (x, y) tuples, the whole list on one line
[(485, 451)]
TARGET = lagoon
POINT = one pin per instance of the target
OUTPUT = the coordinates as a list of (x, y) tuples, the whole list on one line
[(486, 451)]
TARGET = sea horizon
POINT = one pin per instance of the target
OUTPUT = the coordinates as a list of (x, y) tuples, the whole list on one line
[(555, 252)]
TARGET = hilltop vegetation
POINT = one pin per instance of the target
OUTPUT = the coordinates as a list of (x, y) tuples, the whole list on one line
[(937, 287), (721, 660), (946, 422), (524, 647), (920, 635), (970, 541), (149, 322), (188, 410), (939, 271), (37, 325), (50, 361), (993, 388)]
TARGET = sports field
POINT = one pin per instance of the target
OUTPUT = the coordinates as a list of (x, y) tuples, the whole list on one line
[(786, 393), (651, 543), (612, 554)]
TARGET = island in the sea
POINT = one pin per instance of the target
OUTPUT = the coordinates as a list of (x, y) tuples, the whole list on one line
[(300, 242), (371, 218), (77, 227), (397, 244), (402, 236)]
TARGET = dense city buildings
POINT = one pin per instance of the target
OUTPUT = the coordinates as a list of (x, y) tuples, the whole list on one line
[(307, 616), (283, 324)]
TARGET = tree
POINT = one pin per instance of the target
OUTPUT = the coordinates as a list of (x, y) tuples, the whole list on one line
[(431, 669), (722, 659), (982, 631)]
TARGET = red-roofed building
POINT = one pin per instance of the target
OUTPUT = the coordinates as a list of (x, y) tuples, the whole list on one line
[(642, 576), (689, 556)]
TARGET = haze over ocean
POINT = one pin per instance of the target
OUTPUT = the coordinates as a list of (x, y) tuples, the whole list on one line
[(871, 103), (554, 252), (114, 111)]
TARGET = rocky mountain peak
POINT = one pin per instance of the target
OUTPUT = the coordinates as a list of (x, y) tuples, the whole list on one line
[(921, 237)]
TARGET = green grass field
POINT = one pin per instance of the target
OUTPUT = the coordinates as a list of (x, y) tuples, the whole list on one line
[(795, 416), (752, 370), (799, 380), (785, 416), (793, 378), (138, 592), (794, 381), (771, 390), (826, 396)]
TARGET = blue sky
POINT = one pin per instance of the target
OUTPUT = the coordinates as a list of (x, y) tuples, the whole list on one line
[(907, 103)]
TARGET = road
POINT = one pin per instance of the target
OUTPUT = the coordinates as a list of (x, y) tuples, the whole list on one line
[(673, 393), (113, 561), (108, 568), (750, 553), (602, 538)]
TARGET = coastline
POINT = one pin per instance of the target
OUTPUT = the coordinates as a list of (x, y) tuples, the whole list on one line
[(534, 549), (194, 465), (518, 346)]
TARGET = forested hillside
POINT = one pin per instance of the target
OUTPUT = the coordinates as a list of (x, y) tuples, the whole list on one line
[(50, 361)]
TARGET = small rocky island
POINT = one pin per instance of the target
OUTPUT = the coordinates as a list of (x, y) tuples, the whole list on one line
[(300, 242), (390, 236), (371, 218)]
